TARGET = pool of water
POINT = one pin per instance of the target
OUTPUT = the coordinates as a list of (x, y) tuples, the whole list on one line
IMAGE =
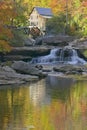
[(49, 104)]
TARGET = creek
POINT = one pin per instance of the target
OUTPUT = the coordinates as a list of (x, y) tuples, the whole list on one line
[(49, 104), (53, 103), (66, 55)]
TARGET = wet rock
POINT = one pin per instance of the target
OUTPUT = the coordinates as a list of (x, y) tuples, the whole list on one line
[(26, 53), (17, 57), (80, 43), (71, 69), (26, 68), (9, 76), (54, 40)]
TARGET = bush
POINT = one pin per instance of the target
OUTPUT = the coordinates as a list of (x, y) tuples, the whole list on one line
[(18, 38), (56, 25)]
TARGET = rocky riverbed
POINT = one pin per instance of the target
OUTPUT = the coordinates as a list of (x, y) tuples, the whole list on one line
[(10, 76), (22, 72)]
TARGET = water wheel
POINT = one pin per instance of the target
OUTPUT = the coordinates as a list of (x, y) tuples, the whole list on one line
[(35, 32)]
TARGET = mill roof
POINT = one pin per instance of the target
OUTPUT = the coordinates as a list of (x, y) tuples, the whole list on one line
[(44, 11)]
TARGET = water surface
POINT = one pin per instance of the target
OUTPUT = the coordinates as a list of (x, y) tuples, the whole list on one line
[(49, 104)]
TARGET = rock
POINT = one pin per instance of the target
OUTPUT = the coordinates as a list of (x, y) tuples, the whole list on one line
[(47, 68), (26, 68), (26, 53), (17, 57), (9, 76), (40, 67), (38, 41), (29, 42), (52, 40), (79, 43), (71, 69), (9, 82), (8, 69)]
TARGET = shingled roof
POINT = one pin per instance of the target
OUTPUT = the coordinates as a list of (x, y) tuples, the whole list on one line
[(44, 11)]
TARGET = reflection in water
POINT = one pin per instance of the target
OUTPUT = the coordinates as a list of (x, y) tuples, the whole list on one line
[(38, 93), (59, 88), (50, 104)]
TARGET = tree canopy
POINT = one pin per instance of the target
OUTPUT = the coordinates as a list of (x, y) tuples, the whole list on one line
[(70, 14), (75, 14), (7, 13)]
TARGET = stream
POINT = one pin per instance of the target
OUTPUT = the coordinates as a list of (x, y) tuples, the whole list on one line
[(49, 104), (66, 55)]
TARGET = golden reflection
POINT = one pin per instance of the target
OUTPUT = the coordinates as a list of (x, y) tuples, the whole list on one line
[(37, 92), (41, 106)]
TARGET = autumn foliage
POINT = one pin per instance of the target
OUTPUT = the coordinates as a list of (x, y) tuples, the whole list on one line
[(75, 14), (7, 13), (67, 12)]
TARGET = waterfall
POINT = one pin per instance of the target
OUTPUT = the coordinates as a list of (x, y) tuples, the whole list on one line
[(51, 58), (60, 55), (76, 59)]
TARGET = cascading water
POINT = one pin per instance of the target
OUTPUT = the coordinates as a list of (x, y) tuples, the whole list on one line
[(51, 58), (59, 55), (75, 59)]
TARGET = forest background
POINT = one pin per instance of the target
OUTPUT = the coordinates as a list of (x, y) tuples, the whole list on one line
[(69, 17)]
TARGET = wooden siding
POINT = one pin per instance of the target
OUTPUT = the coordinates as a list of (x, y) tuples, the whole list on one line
[(37, 20)]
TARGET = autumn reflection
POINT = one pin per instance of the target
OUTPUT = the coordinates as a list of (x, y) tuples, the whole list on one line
[(37, 93), (12, 102), (59, 88), (68, 108), (49, 104)]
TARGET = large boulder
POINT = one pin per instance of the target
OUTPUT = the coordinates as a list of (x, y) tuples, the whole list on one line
[(26, 68), (79, 43), (26, 53), (54, 40), (71, 69), (10, 76)]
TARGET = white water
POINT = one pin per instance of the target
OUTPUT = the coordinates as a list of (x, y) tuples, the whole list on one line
[(51, 58), (57, 55), (75, 59)]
